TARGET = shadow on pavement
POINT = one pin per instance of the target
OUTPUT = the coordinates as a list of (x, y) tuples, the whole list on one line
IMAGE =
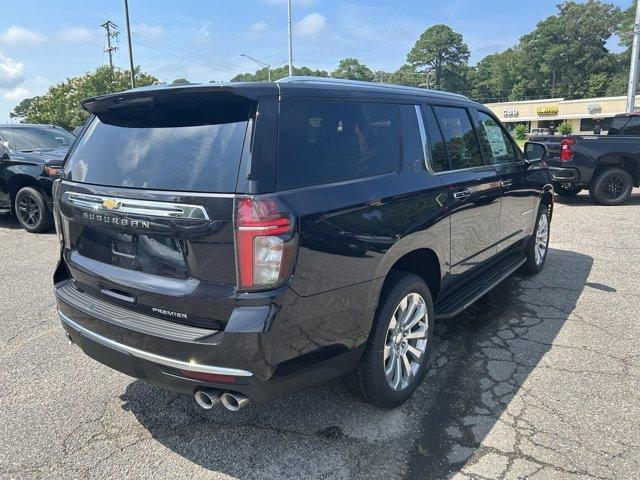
[(483, 357), (7, 220), (584, 200), (503, 338)]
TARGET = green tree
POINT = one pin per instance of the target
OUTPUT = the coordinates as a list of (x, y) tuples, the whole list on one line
[(441, 54), (262, 74), (496, 75), (407, 75), (181, 81), (61, 104), (22, 108), (566, 49), (520, 131), (565, 128), (351, 69)]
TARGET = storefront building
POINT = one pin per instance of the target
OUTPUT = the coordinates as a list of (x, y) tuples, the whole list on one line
[(538, 116)]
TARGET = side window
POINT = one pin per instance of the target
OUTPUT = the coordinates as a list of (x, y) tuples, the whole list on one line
[(633, 126), (412, 151), (439, 159), (326, 142), (459, 137), (617, 125), (495, 143)]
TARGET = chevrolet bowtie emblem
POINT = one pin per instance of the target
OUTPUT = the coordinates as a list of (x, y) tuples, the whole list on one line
[(111, 204)]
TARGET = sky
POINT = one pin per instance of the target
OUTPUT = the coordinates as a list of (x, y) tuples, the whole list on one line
[(44, 42)]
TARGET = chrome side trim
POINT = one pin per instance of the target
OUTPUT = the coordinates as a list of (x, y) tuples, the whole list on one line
[(152, 357), (139, 207), (158, 192)]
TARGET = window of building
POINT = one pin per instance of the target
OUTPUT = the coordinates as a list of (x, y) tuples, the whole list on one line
[(460, 139), (335, 141), (589, 124)]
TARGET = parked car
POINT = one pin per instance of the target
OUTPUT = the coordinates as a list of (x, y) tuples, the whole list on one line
[(30, 159), (239, 242), (607, 165)]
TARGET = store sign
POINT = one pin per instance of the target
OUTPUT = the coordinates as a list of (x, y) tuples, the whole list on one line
[(548, 110), (593, 108), (510, 112)]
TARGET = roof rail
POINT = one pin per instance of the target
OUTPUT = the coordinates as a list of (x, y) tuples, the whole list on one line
[(373, 85)]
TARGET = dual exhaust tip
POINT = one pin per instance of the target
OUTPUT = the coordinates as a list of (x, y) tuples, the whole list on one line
[(232, 401)]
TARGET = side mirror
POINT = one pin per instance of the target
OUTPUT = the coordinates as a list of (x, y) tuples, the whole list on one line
[(4, 151), (534, 152)]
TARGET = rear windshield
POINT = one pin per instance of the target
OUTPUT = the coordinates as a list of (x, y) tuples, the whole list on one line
[(186, 148)]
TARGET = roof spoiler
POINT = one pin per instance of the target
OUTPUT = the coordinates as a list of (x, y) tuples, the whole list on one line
[(165, 96)]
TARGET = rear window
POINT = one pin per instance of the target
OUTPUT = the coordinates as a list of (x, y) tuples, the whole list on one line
[(336, 141), (460, 139), (185, 148)]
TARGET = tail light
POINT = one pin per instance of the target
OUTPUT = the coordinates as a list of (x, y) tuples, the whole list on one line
[(565, 149), (265, 243)]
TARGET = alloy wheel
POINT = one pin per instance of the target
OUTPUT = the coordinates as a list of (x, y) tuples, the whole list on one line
[(542, 238), (613, 187), (29, 210), (406, 341)]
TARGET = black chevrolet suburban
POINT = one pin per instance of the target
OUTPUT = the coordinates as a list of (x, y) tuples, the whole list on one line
[(30, 159), (238, 242)]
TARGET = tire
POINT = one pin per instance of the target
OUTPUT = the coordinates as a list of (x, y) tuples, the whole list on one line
[(612, 186), (369, 380), (31, 211), (538, 246), (568, 192)]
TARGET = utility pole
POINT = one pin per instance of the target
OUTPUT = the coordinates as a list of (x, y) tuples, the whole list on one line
[(126, 17), (108, 25), (259, 63), (633, 71), (290, 40)]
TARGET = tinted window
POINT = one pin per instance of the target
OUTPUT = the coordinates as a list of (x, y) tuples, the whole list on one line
[(617, 125), (163, 150), (459, 137), (331, 142), (496, 145), (412, 151), (439, 160), (36, 138), (633, 126)]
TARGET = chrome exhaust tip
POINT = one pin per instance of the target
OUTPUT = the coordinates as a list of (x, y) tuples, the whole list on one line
[(233, 401), (207, 397)]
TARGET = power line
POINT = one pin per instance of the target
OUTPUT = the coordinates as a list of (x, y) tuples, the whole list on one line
[(186, 53)]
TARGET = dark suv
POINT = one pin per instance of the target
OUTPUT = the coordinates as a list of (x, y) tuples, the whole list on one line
[(30, 159), (244, 241)]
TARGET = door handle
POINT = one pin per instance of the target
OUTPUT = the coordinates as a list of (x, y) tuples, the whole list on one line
[(507, 183), (461, 194)]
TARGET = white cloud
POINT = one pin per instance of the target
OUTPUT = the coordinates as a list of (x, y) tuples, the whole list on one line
[(17, 93), (19, 36), (259, 27), (148, 30), (311, 25), (77, 35), (11, 72)]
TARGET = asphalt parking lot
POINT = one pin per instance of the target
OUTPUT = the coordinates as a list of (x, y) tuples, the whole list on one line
[(540, 379)]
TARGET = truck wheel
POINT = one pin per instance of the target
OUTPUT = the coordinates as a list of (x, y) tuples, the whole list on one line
[(395, 358), (612, 186), (31, 211), (566, 191), (536, 250)]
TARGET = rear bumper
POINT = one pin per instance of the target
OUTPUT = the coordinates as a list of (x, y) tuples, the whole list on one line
[(562, 175), (174, 360)]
